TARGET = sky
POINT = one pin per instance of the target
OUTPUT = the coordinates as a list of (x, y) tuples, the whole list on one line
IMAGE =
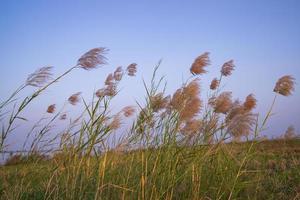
[(261, 36)]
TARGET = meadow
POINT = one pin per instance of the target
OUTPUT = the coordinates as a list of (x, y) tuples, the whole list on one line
[(179, 146)]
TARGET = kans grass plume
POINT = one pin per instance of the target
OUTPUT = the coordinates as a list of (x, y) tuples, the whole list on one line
[(200, 62), (250, 102), (74, 98), (128, 111), (109, 79), (51, 108), (222, 103), (100, 93), (111, 82), (93, 58), (191, 127), (40, 77), (118, 74), (159, 102), (214, 84), (186, 101), (241, 124), (110, 90), (115, 122), (227, 68), (132, 69), (236, 109), (240, 119), (285, 85)]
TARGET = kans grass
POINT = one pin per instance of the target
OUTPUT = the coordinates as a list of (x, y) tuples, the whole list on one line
[(179, 146)]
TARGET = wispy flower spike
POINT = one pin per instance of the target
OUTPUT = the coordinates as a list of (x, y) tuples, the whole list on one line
[(131, 69), (222, 103), (214, 84), (118, 74), (115, 123), (109, 79), (236, 109), (111, 90), (199, 64), (191, 103), (186, 100), (159, 102), (191, 127), (241, 124), (93, 58), (100, 93), (40, 77), (285, 85), (250, 102), (51, 108), (74, 99), (191, 109), (128, 111), (227, 68)]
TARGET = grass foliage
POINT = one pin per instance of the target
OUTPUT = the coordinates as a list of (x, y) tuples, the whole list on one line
[(179, 146)]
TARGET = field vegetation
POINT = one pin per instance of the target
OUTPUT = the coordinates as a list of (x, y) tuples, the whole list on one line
[(179, 146)]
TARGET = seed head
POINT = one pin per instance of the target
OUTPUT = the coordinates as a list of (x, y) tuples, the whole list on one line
[(192, 89), (51, 108), (241, 124), (285, 85), (128, 111), (131, 69), (93, 58), (111, 90), (177, 99), (109, 79), (214, 84), (115, 123), (210, 124), (159, 102), (191, 127), (100, 93), (118, 74), (235, 110), (40, 77), (250, 102), (227, 68), (74, 98), (199, 64), (186, 100), (222, 103), (190, 109)]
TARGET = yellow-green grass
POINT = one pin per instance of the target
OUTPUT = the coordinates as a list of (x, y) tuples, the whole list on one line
[(271, 171)]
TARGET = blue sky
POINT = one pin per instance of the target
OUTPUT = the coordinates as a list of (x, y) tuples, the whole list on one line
[(261, 36)]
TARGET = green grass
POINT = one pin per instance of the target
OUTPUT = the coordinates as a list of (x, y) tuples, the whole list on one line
[(271, 171)]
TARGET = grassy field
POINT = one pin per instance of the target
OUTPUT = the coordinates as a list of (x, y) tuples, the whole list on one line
[(178, 146), (259, 170)]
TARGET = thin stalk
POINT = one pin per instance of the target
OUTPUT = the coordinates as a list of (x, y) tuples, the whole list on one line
[(25, 102)]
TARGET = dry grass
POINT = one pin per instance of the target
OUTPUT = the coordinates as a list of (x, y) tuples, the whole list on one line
[(179, 146)]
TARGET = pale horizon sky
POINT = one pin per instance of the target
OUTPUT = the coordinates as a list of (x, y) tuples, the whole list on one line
[(261, 36)]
